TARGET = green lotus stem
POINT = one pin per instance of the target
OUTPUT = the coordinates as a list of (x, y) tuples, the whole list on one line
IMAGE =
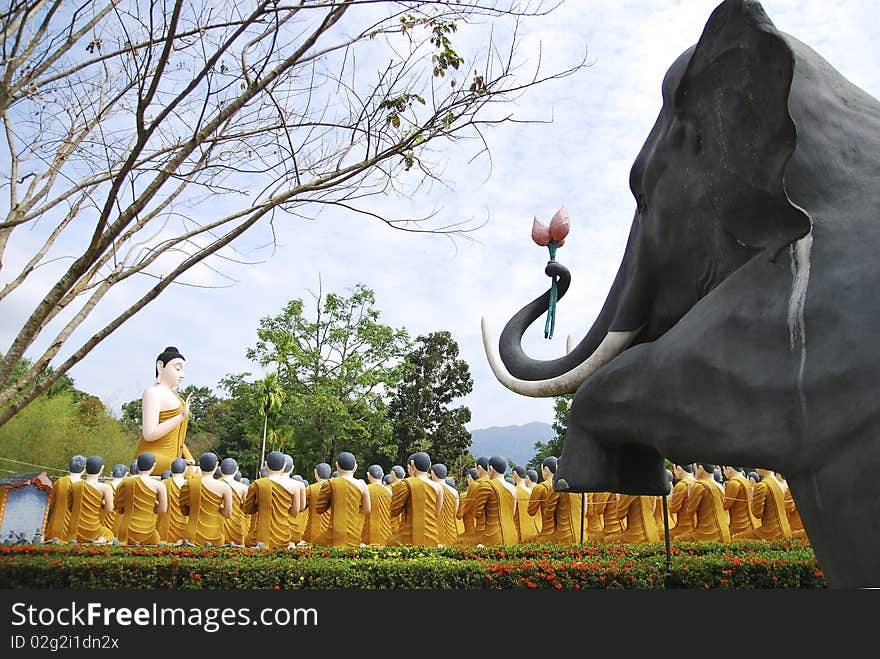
[(550, 323)]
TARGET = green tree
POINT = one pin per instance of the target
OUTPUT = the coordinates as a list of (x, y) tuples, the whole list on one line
[(233, 422), (421, 414), (121, 119), (336, 368), (543, 450)]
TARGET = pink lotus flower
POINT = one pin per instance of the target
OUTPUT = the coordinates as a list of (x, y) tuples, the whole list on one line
[(560, 225), (540, 232)]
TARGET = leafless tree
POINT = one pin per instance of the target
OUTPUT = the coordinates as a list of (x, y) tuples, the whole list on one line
[(125, 120)]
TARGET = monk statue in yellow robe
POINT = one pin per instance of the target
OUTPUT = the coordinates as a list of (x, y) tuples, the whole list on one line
[(467, 530), (272, 502), (396, 475), (448, 526), (794, 516), (705, 501), (542, 502), (527, 526), (172, 523), (637, 514), (165, 414), (297, 522), (301, 519), (767, 504), (58, 518), (568, 513), (495, 507), (316, 524), (207, 502), (88, 503), (347, 501), (418, 501), (377, 523), (235, 527), (111, 519), (141, 502), (684, 523), (736, 501)]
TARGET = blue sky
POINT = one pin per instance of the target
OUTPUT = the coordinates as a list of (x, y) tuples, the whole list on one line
[(593, 125)]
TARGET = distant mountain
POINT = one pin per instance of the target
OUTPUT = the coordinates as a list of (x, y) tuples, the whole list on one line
[(516, 443)]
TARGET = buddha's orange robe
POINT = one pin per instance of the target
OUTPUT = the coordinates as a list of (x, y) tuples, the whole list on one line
[(415, 501), (316, 524), (269, 504), (706, 503), (172, 523), (684, 522), (202, 507), (768, 505), (377, 524), (136, 511), (86, 506), (542, 502), (638, 514), (736, 503), (494, 515), (528, 525), (170, 445), (57, 524), (342, 500)]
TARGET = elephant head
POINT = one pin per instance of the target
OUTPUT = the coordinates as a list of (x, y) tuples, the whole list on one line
[(739, 328)]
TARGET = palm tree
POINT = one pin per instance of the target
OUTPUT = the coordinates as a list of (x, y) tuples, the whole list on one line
[(270, 397)]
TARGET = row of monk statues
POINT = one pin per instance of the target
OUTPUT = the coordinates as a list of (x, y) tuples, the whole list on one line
[(210, 504)]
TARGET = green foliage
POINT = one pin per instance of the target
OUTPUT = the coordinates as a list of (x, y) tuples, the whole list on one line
[(420, 412), (336, 368), (560, 424), (745, 565), (53, 428)]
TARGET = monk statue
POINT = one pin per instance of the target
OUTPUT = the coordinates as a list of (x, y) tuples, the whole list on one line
[(637, 516), (542, 501), (207, 501), (272, 502), (418, 501), (377, 523), (532, 479), (89, 502), (235, 527), (767, 504), (495, 507), (684, 523), (57, 522), (347, 501), (448, 526), (140, 503), (111, 519), (133, 468), (172, 523), (736, 501), (316, 524), (705, 501), (465, 515), (526, 524), (301, 519), (165, 413)]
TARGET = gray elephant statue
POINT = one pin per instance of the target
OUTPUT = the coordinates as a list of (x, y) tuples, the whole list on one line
[(742, 326)]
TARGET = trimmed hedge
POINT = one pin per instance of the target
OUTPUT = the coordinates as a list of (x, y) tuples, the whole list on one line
[(742, 565)]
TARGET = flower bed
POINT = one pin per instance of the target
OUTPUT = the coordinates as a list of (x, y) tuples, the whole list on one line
[(741, 565)]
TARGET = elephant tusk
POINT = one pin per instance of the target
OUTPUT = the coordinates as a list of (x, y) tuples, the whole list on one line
[(612, 345)]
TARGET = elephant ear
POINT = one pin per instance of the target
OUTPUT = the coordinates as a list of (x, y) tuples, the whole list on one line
[(735, 90)]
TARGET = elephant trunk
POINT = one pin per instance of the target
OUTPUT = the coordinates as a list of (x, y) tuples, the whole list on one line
[(547, 378)]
